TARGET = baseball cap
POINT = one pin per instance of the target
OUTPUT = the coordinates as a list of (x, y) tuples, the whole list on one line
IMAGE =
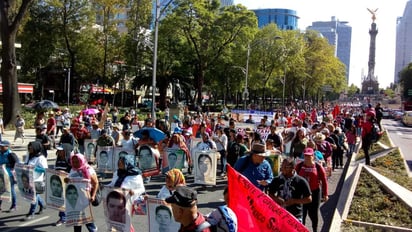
[(308, 151), (183, 196), (4, 143)]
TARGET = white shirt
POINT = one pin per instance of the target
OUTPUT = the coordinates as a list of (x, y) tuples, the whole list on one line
[(39, 161), (128, 145), (134, 183)]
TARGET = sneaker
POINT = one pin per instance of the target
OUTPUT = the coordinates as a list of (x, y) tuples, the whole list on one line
[(29, 217), (12, 209), (41, 210), (59, 223)]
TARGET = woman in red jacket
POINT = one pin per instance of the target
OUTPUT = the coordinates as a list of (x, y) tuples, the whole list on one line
[(366, 134)]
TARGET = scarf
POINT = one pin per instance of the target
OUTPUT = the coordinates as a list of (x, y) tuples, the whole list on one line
[(37, 148), (176, 176), (84, 166), (129, 170)]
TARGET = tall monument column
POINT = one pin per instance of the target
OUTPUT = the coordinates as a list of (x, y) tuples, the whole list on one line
[(370, 83)]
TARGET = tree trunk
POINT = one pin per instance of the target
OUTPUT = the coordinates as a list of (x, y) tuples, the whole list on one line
[(11, 99)]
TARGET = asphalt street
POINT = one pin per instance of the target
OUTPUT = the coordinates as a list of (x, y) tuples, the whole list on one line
[(209, 198)]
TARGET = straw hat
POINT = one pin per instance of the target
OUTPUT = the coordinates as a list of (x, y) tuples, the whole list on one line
[(319, 137)]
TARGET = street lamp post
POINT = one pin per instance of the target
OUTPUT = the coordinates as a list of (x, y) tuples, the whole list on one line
[(246, 92), (68, 87)]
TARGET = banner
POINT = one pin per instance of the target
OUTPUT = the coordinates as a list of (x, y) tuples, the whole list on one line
[(148, 160), (160, 216), (55, 187), (255, 210), (25, 181), (205, 164), (5, 189), (117, 208), (77, 203)]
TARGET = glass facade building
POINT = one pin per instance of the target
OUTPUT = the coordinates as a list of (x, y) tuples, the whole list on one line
[(339, 34), (285, 19), (403, 55)]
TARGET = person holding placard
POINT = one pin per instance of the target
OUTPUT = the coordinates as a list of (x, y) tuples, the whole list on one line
[(9, 158)]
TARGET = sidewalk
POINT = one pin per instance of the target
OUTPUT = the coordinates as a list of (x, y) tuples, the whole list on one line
[(20, 148)]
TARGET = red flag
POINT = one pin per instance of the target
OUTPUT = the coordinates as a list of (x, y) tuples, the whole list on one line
[(255, 210)]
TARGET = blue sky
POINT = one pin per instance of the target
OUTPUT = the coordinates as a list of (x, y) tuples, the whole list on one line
[(355, 12)]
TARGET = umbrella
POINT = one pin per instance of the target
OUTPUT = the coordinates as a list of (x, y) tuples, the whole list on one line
[(91, 111), (45, 105), (154, 133)]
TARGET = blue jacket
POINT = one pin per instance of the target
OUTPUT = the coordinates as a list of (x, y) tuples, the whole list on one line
[(4, 159), (254, 172)]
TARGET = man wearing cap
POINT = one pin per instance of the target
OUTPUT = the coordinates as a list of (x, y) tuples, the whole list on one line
[(315, 175), (185, 211), (9, 158), (67, 136), (42, 138), (290, 190), (255, 167)]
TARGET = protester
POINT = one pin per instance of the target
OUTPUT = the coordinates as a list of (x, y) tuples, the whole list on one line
[(223, 219), (42, 138), (9, 158), (277, 139), (367, 126), (299, 143), (177, 142), (174, 178), (63, 164), (19, 124), (236, 149), (221, 144), (315, 175), (379, 115), (80, 168), (255, 167), (51, 128), (290, 190), (39, 162), (184, 207), (67, 137)]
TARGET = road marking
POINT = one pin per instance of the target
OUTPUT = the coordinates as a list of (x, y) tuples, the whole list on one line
[(399, 133), (28, 223)]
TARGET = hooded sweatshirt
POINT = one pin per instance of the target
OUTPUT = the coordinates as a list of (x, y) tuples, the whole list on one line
[(37, 160)]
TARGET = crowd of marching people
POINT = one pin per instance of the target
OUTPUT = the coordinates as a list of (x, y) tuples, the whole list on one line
[(308, 146)]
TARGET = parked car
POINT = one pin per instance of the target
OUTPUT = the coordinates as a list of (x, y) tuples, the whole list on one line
[(385, 114), (407, 118), (397, 115)]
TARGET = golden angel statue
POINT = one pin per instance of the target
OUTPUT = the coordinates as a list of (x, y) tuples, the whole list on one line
[(373, 12)]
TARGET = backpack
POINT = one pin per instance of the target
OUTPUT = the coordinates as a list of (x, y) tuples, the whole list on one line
[(223, 219), (375, 133), (13, 159)]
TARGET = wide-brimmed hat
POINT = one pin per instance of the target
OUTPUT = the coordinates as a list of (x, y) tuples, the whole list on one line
[(259, 149), (319, 137)]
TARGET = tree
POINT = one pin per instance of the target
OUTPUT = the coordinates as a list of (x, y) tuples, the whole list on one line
[(208, 30), (11, 16), (406, 82)]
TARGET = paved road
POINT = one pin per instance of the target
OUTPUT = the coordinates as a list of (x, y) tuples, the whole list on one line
[(209, 198)]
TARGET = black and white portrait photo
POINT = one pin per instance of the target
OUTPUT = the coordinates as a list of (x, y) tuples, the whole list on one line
[(89, 149), (175, 158), (55, 187), (161, 217), (205, 164), (25, 181), (117, 208), (119, 152), (77, 203), (104, 158), (147, 158)]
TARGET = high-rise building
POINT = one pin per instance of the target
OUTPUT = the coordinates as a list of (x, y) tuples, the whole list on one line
[(285, 19), (339, 34), (403, 55), (226, 2)]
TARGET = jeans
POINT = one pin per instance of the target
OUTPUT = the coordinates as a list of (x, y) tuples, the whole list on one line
[(13, 193), (33, 206), (90, 226), (62, 216), (223, 160)]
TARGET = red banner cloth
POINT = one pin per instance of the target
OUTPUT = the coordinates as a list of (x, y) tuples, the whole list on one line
[(255, 210)]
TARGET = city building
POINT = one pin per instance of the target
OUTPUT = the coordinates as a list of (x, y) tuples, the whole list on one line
[(339, 34), (226, 2), (285, 19), (403, 55)]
